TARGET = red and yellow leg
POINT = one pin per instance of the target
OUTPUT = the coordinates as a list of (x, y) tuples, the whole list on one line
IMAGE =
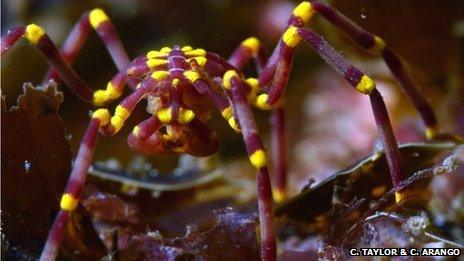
[(389, 143), (220, 101), (279, 153), (299, 17), (72, 45), (100, 22), (142, 139), (258, 159), (375, 45), (38, 37), (251, 48), (248, 49), (125, 108), (75, 185), (363, 83), (113, 90), (10, 38), (290, 39)]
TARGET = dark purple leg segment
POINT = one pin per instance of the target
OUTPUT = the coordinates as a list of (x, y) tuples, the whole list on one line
[(110, 38), (37, 36), (126, 106), (362, 37), (145, 129), (257, 156), (107, 33), (279, 153), (351, 74), (72, 45), (377, 46), (387, 137), (278, 139), (73, 190), (282, 73), (65, 72), (10, 38), (248, 49), (412, 91), (55, 235)]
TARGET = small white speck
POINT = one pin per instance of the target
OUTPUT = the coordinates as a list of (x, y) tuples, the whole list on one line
[(363, 16), (27, 166)]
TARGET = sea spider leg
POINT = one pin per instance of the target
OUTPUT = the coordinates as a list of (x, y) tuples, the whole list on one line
[(375, 45), (200, 78), (255, 149), (75, 185), (61, 62), (99, 21), (279, 153), (219, 100), (125, 108), (38, 37), (10, 38), (248, 49), (364, 84), (101, 120)]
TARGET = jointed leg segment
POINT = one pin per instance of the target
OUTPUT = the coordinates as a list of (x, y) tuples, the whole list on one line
[(75, 186), (258, 159), (61, 61), (377, 46)]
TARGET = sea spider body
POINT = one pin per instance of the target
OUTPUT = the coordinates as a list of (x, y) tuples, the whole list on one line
[(183, 86)]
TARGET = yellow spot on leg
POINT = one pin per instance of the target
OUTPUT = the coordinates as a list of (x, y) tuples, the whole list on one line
[(136, 131), (68, 202), (153, 63), (379, 45), (112, 92), (226, 79), (200, 60), (233, 124), (96, 17), (34, 33), (185, 116), (365, 85), (196, 52), (254, 84), (253, 44), (187, 48), (160, 75), (120, 116), (399, 196), (164, 115), (153, 54), (227, 113), (258, 159), (304, 11), (165, 50), (291, 37), (261, 102), (100, 97), (192, 76), (279, 195), (175, 82), (103, 115), (430, 132)]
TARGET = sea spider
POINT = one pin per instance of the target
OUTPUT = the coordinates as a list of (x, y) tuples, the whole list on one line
[(177, 82)]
